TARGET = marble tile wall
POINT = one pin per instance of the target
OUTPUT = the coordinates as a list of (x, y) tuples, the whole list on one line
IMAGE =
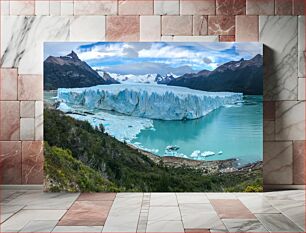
[(26, 24)]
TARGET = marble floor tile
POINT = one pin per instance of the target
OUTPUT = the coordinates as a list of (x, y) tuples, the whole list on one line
[(278, 223), (39, 226), (128, 195), (6, 193), (294, 210), (23, 217), (124, 214), (14, 195), (208, 220), (90, 213), (231, 209), (200, 216), (8, 210), (195, 230), (221, 196), (243, 225), (192, 198), (163, 199), (97, 197), (218, 227), (296, 195), (164, 213), (75, 229), (189, 209), (41, 200), (165, 226), (258, 205)]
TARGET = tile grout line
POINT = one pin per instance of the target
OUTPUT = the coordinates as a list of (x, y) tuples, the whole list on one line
[(143, 216)]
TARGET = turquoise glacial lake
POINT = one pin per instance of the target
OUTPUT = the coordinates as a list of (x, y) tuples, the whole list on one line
[(236, 131)]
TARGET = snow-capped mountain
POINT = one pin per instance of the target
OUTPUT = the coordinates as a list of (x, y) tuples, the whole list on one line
[(146, 78)]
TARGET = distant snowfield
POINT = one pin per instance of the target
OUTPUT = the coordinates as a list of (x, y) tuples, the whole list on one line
[(149, 101)]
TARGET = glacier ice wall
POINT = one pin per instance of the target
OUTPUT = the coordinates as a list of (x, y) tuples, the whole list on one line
[(149, 101)]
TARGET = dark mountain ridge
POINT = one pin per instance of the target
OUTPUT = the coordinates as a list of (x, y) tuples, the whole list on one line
[(244, 76), (70, 72)]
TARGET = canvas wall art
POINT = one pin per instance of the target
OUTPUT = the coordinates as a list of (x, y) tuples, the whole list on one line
[(162, 116)]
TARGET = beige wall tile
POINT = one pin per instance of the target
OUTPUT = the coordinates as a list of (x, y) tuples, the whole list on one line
[(269, 130), (9, 120), (27, 129), (55, 7), (22, 7), (195, 38), (290, 120), (177, 25), (166, 7), (95, 7), (8, 84), (27, 109), (39, 120), (260, 7), (30, 87), (5, 7), (66, 7), (247, 28), (135, 7), (87, 28), (150, 28), (278, 163), (283, 7), (301, 89), (200, 25), (195, 7), (122, 28), (42, 7)]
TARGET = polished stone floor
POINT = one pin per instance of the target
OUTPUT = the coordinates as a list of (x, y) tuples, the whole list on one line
[(36, 211)]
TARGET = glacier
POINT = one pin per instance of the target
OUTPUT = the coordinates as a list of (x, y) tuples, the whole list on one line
[(149, 101)]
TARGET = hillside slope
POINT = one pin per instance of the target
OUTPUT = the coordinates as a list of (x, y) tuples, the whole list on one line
[(128, 168)]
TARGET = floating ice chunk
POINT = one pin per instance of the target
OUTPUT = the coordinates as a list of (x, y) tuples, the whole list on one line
[(195, 154), (149, 101), (207, 153), (220, 152)]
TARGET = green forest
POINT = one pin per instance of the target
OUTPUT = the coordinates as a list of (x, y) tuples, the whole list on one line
[(81, 158)]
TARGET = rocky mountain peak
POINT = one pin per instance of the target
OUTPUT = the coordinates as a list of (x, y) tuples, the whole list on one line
[(73, 55)]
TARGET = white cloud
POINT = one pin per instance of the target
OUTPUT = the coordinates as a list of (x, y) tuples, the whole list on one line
[(249, 49)]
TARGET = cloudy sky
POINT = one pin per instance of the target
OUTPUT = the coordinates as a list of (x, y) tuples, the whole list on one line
[(159, 57)]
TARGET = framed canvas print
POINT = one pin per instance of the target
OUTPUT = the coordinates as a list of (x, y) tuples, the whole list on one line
[(160, 116)]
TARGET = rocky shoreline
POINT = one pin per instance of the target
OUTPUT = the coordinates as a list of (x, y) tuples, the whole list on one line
[(206, 167)]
